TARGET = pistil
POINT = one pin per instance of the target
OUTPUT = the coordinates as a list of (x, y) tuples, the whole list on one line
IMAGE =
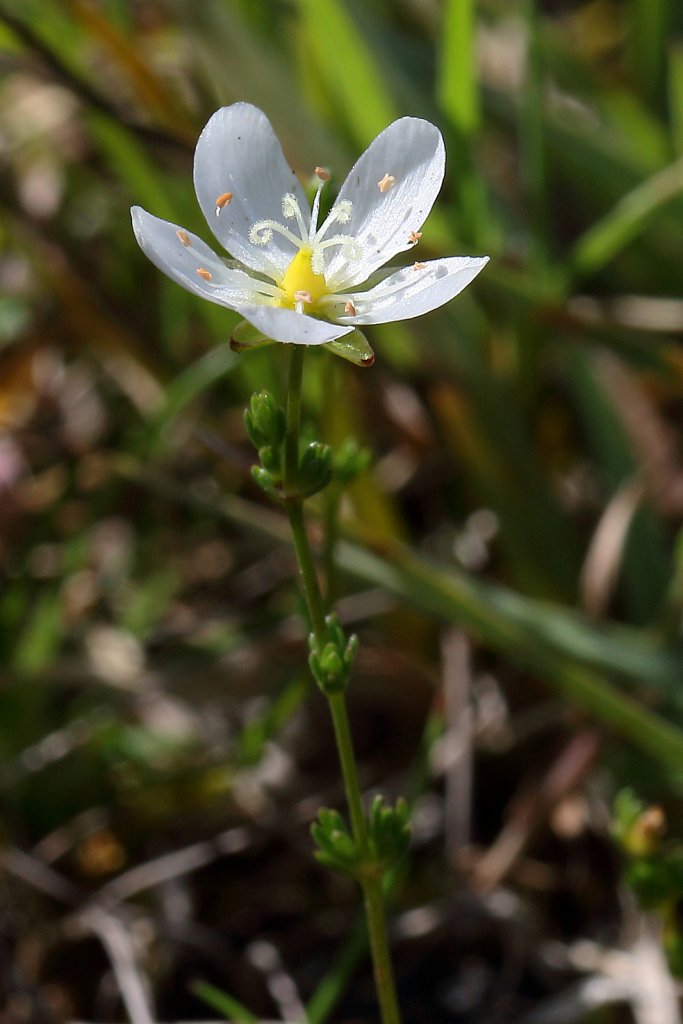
[(303, 283)]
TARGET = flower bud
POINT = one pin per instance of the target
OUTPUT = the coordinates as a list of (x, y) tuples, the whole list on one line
[(330, 661), (351, 650), (350, 460), (271, 459), (315, 468), (265, 481), (265, 420)]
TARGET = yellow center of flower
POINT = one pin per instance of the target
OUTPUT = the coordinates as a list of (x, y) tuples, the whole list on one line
[(301, 283)]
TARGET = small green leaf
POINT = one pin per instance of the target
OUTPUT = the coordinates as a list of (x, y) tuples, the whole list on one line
[(245, 336), (355, 347), (222, 1002)]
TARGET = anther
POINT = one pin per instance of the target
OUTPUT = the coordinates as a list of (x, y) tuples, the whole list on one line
[(387, 182), (223, 200), (303, 296), (322, 173), (183, 237), (349, 308), (204, 273), (419, 266), (414, 237)]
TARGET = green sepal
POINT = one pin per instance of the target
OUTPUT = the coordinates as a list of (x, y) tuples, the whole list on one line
[(354, 347), (245, 336)]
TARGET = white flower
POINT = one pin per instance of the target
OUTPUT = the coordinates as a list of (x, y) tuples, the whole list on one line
[(292, 280)]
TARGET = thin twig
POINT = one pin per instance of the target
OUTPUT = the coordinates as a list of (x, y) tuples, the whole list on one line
[(116, 942), (169, 866), (40, 876), (455, 654)]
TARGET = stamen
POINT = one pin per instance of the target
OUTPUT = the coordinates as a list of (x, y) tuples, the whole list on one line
[(414, 237), (313, 230), (303, 296), (264, 288), (387, 182), (223, 200), (349, 308), (183, 237), (322, 173), (204, 273), (419, 266)]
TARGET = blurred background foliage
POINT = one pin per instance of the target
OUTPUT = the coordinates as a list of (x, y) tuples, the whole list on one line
[(511, 560)]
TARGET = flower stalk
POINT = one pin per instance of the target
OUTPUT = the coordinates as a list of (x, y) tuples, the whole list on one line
[(369, 871)]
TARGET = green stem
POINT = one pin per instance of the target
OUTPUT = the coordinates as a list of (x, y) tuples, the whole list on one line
[(371, 886), (347, 760), (293, 414), (294, 504), (307, 575), (381, 956), (330, 516), (332, 495)]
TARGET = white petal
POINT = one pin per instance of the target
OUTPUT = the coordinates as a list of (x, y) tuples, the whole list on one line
[(239, 153), (288, 326), (409, 292), (161, 242), (411, 152)]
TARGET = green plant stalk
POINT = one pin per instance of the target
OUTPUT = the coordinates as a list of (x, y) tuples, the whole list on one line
[(330, 517), (371, 885)]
